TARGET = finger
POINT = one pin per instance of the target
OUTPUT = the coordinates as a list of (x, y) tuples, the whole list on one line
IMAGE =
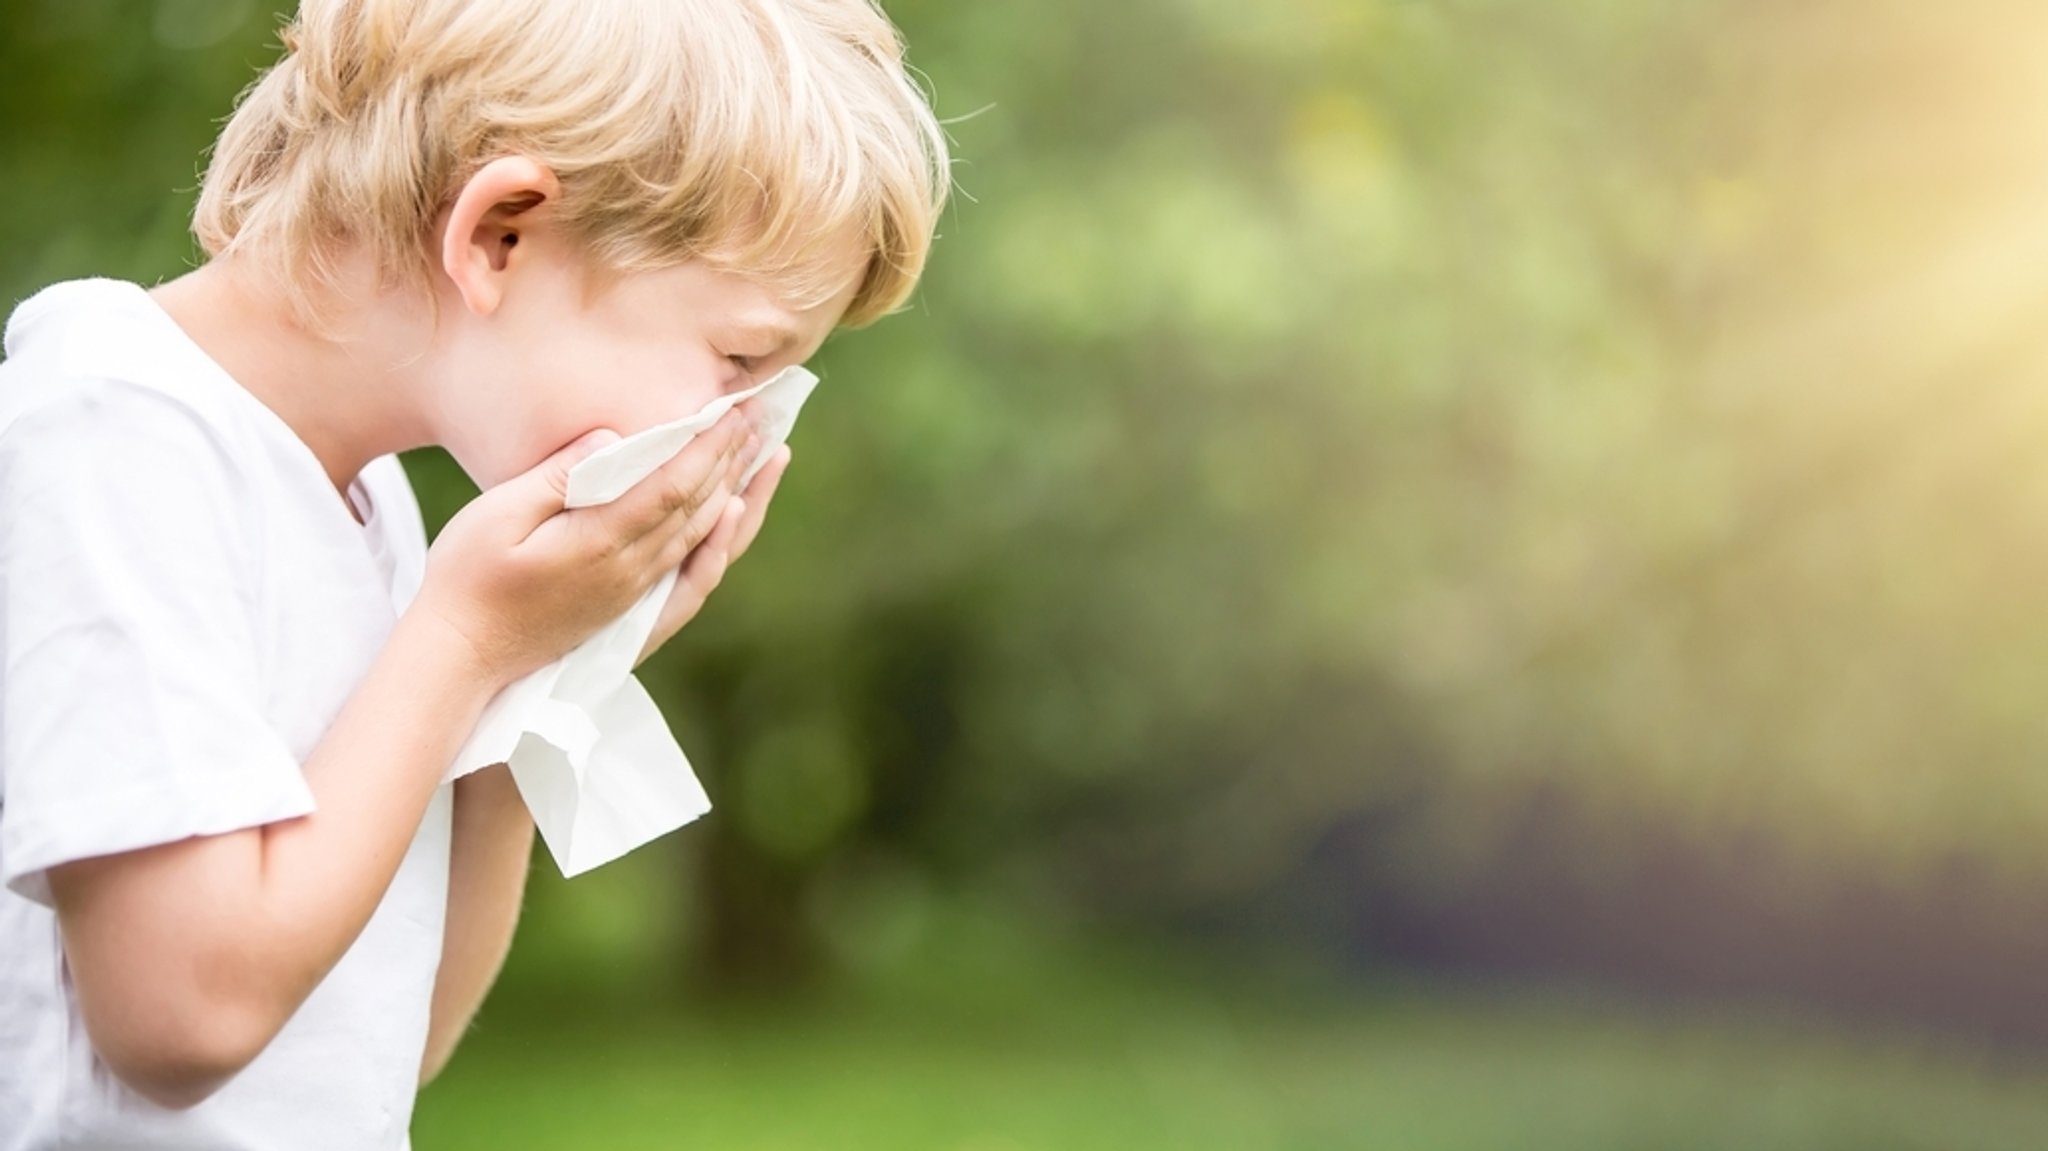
[(689, 483), (757, 495), (701, 574), (686, 530), (708, 562), (683, 483), (538, 492)]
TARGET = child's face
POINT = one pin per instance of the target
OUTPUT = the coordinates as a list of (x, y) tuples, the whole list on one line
[(553, 362)]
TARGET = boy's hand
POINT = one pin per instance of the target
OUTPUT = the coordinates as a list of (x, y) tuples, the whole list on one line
[(727, 542), (520, 580)]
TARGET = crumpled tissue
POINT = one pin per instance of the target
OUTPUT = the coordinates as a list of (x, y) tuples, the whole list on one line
[(592, 756)]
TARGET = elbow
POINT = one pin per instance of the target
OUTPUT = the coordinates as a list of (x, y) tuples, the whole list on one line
[(178, 1059)]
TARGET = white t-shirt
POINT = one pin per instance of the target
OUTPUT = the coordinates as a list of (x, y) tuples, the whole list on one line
[(185, 604)]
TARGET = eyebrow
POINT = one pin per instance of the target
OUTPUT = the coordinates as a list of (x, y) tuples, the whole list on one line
[(784, 336)]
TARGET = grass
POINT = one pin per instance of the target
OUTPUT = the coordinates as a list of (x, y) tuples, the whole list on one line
[(989, 1038)]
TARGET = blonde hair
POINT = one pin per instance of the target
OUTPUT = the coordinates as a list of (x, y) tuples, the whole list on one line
[(754, 135)]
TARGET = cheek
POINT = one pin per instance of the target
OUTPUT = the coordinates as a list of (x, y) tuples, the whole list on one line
[(629, 387), (492, 419), (528, 399), (559, 381), (612, 384)]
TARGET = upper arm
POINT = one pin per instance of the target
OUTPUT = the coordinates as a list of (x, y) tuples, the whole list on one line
[(137, 763), (156, 941), (131, 675)]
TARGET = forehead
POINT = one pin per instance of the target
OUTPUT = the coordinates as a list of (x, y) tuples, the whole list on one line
[(793, 311), (721, 302), (766, 325), (812, 275)]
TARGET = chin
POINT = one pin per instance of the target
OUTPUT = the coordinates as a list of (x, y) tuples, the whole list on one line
[(502, 453)]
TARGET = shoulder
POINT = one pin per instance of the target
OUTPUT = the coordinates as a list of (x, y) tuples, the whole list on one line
[(63, 445), (93, 391), (102, 353), (102, 481)]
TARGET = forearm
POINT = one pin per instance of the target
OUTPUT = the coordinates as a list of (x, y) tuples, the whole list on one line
[(372, 776), (493, 842)]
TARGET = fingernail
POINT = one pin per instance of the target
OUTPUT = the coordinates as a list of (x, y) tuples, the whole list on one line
[(739, 507)]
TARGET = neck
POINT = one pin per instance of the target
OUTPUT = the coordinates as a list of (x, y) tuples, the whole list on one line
[(351, 395)]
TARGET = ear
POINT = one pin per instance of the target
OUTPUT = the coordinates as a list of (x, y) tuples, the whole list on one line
[(485, 223)]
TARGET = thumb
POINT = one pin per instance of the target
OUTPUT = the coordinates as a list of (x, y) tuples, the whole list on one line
[(541, 489)]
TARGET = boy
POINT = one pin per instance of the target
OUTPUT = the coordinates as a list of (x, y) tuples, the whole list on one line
[(240, 908)]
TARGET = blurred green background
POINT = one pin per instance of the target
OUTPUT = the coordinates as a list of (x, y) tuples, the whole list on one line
[(1421, 573)]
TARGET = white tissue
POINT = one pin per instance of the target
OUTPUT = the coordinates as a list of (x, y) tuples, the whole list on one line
[(591, 753)]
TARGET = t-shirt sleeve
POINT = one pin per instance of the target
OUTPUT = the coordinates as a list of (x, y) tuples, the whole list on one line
[(131, 692)]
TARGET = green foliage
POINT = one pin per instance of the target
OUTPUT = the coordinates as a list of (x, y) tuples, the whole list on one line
[(1315, 403)]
